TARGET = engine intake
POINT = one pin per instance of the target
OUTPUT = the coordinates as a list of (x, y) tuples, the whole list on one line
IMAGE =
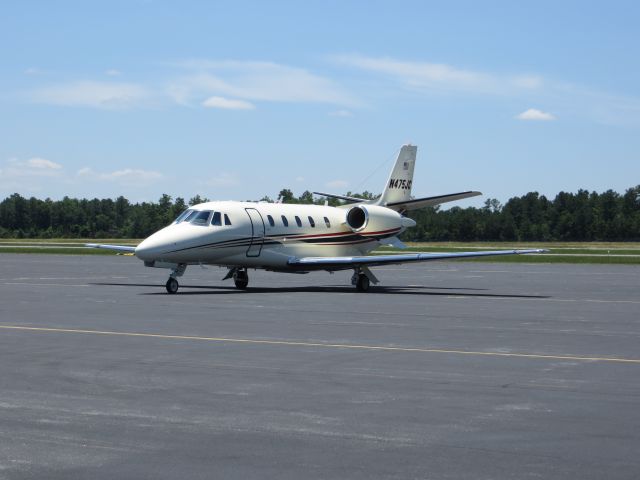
[(358, 218)]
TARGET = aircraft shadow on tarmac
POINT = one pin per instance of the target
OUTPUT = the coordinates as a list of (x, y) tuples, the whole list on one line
[(388, 290)]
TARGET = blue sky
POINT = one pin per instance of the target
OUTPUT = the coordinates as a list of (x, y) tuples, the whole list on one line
[(236, 100)]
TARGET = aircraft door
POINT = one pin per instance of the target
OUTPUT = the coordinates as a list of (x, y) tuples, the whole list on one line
[(257, 232)]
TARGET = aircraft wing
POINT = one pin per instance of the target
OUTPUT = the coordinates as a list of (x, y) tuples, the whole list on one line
[(117, 248), (344, 263), (430, 201)]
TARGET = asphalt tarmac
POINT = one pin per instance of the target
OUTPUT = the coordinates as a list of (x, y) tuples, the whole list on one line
[(446, 371)]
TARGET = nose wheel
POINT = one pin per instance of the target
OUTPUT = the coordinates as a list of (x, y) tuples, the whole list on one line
[(172, 285)]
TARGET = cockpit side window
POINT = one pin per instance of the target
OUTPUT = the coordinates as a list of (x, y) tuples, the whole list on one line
[(183, 215), (201, 218), (226, 219), (216, 220)]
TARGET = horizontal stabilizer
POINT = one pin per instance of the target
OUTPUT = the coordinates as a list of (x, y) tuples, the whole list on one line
[(116, 248), (341, 197), (430, 201)]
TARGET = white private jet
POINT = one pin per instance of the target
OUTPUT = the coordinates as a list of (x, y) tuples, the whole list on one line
[(297, 238)]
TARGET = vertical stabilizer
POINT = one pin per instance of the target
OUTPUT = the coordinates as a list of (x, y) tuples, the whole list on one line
[(398, 187)]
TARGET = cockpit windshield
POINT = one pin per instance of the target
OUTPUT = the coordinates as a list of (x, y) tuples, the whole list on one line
[(201, 218), (183, 215), (190, 217)]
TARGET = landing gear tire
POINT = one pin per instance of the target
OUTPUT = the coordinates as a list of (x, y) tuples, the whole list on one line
[(172, 285), (241, 279), (362, 284)]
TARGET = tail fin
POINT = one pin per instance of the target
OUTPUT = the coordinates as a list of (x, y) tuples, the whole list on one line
[(398, 187)]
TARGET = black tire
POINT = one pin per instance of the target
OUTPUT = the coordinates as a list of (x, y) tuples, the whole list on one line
[(172, 285), (241, 279), (362, 285), (242, 284)]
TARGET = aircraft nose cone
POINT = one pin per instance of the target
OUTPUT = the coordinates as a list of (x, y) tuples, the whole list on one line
[(150, 248), (143, 250)]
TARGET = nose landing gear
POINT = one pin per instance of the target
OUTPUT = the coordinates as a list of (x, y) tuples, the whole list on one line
[(172, 284)]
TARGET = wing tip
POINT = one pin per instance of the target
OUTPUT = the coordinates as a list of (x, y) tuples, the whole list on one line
[(117, 248)]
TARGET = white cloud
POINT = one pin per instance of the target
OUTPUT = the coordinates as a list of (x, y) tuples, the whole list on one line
[(528, 81), (216, 84), (33, 71), (441, 77), (222, 180), (31, 177), (105, 95), (535, 114), (341, 113), (337, 184), (256, 81), (43, 163), (127, 176), (228, 103), (422, 74), (224, 84), (33, 167)]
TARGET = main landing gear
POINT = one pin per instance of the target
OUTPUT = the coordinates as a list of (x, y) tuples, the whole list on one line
[(241, 278), (362, 283), (172, 284), (362, 279)]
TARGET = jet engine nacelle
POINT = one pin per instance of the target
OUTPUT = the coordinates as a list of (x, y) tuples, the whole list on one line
[(372, 218)]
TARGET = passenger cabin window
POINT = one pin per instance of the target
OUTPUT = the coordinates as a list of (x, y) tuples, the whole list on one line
[(327, 222), (285, 222), (183, 215), (216, 220), (226, 219), (298, 221), (311, 222), (271, 222), (201, 218)]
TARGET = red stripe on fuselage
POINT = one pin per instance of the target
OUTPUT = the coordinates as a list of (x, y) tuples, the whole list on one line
[(338, 234)]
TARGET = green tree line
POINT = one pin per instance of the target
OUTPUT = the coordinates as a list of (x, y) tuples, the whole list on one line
[(581, 216)]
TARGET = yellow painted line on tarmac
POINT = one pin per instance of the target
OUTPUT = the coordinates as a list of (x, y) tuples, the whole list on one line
[(293, 343)]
